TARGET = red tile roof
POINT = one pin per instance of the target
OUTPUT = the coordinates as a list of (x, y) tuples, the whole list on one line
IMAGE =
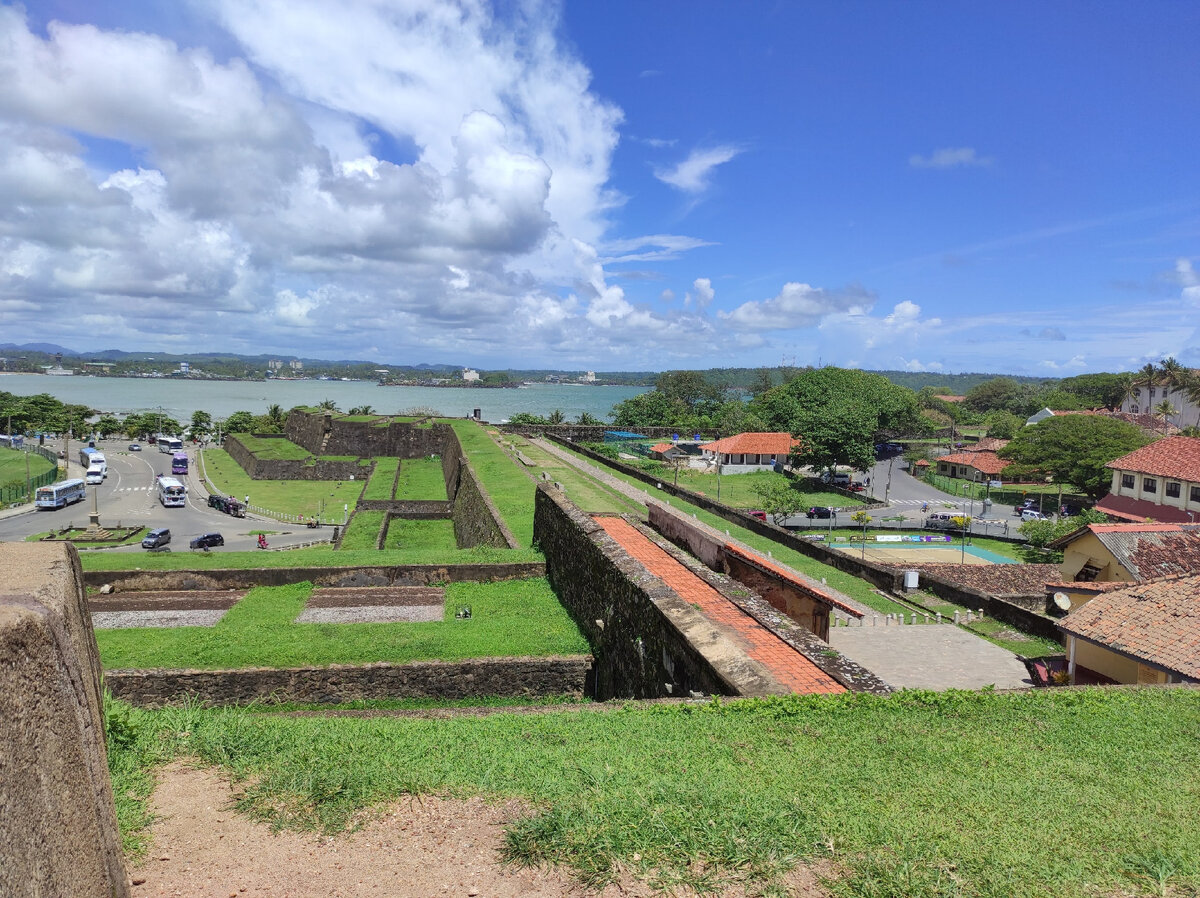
[(1139, 510), (984, 462), (1157, 622), (754, 444), (661, 447), (1168, 457), (922, 463)]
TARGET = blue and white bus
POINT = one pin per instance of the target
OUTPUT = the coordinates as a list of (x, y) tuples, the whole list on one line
[(171, 493), (169, 444), (56, 495)]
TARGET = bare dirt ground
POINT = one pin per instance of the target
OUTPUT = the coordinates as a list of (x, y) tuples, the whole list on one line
[(426, 847)]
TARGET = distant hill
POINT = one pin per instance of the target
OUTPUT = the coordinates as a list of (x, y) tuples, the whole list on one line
[(47, 348)]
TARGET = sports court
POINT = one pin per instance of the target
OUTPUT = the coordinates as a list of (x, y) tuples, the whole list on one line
[(910, 552)]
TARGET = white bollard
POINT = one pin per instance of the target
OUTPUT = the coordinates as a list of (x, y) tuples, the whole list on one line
[(913, 618), (939, 617), (956, 617)]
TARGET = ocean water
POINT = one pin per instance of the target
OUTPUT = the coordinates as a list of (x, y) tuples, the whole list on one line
[(221, 398)]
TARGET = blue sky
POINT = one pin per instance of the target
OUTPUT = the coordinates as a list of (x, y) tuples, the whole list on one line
[(947, 187)]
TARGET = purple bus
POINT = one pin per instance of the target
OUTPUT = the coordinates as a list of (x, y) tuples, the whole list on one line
[(179, 463)]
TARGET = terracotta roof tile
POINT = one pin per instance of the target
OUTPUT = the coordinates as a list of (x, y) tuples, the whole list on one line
[(990, 579), (661, 447), (1157, 622), (984, 462), (755, 443), (1169, 457), (1129, 509)]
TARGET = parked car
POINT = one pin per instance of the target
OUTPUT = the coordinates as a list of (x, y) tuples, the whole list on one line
[(135, 447), (941, 521), (207, 541), (156, 538), (857, 487), (1028, 505), (821, 511), (760, 515), (1032, 514)]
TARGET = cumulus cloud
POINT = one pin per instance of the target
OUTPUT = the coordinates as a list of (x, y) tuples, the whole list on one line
[(797, 305), (950, 157), (918, 365), (701, 295), (693, 174), (1075, 363), (1188, 280)]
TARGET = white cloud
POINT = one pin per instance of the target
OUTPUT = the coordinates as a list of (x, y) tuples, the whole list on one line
[(1189, 280), (1076, 363), (918, 365), (693, 173), (950, 157), (701, 295), (651, 248), (797, 305)]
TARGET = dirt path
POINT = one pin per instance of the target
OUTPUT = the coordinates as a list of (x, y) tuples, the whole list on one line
[(434, 846), (430, 847)]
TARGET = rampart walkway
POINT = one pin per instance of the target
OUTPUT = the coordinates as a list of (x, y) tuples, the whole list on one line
[(786, 664)]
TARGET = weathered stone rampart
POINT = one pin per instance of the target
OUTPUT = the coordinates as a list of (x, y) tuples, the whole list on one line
[(393, 575), (58, 827), (473, 678), (647, 641), (292, 468), (477, 522)]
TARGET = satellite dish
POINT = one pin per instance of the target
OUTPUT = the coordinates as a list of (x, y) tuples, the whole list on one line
[(1062, 601)]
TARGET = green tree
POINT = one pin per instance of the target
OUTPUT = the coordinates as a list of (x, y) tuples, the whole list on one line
[(526, 419), (201, 425), (1074, 449), (780, 497), (651, 409), (762, 382), (240, 422), (997, 393), (588, 419), (1097, 390), (689, 387), (556, 417), (327, 405), (1003, 425), (838, 414), (108, 425), (359, 410)]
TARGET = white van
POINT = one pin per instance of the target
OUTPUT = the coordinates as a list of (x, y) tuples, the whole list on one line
[(96, 473), (941, 521)]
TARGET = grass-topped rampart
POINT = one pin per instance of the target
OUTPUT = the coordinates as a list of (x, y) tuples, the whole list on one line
[(1072, 793), (510, 618)]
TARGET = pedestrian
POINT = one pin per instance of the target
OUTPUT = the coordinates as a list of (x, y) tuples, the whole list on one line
[(868, 481), (247, 498), (1006, 528)]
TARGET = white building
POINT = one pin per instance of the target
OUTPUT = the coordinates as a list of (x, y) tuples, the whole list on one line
[(1146, 399), (470, 374)]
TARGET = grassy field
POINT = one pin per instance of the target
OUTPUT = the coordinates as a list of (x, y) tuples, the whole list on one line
[(12, 466), (318, 556), (508, 619), (363, 532), (434, 537), (1071, 793), (511, 491), (300, 497), (586, 492), (421, 479), (281, 449), (382, 479)]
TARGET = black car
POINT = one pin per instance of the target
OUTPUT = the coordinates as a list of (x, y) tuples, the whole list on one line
[(821, 511), (156, 538), (207, 541)]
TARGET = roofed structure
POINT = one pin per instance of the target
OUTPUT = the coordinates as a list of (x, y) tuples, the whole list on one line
[(1146, 633), (1129, 552), (988, 464), (1160, 481), (752, 451)]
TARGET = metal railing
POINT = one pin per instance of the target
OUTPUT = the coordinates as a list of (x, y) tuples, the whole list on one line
[(18, 491)]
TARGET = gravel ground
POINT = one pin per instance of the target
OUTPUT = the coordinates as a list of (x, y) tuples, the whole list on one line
[(121, 620), (371, 614)]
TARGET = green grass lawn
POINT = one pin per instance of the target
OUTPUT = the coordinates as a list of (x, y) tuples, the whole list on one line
[(421, 479), (382, 479), (511, 618), (1070, 793), (273, 449), (434, 537), (299, 497), (12, 466), (318, 556), (588, 493), (511, 491), (363, 532)]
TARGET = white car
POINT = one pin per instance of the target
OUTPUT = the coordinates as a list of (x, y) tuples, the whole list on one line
[(1030, 514)]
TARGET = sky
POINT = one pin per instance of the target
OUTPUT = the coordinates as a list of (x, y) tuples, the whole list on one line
[(948, 187)]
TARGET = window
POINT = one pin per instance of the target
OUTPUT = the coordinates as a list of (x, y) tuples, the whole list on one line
[(1133, 409), (1152, 392), (1087, 574), (1171, 490), (1127, 481), (1149, 485), (1196, 494)]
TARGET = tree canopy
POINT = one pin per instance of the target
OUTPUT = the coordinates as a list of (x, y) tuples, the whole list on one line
[(1074, 449), (838, 414)]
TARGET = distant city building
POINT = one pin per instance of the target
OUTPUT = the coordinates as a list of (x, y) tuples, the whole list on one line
[(589, 377), (470, 374), (185, 368), (296, 365)]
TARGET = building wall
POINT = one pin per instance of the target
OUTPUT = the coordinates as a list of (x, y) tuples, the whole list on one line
[(1088, 549), (1102, 661), (1187, 500), (1146, 398)]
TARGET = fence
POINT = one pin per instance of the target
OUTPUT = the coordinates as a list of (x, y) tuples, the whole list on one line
[(18, 492), (1010, 495)]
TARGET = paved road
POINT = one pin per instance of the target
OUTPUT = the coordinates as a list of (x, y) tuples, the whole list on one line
[(129, 496), (930, 656)]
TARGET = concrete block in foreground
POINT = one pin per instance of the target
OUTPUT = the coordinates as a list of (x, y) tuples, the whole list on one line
[(58, 827)]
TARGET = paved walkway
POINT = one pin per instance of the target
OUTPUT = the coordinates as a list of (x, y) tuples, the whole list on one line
[(786, 664), (930, 656)]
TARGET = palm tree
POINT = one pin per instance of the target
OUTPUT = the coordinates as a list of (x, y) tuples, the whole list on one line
[(1191, 390), (556, 417), (1165, 409), (1146, 377), (327, 405), (275, 414)]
